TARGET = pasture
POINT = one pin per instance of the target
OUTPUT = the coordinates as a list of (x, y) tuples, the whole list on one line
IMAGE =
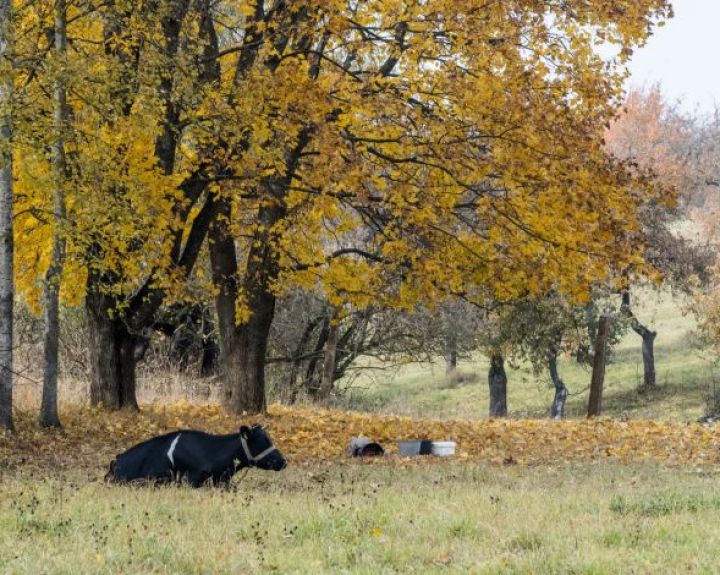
[(377, 518), (624, 493)]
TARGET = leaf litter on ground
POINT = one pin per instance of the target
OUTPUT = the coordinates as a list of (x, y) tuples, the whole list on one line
[(90, 436)]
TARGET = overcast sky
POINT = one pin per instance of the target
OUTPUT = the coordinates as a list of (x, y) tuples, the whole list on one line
[(684, 56)]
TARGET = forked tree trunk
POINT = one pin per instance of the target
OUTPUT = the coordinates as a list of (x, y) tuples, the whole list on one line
[(557, 410), (243, 347), (113, 358), (648, 341), (7, 285), (598, 373), (497, 381), (48, 409)]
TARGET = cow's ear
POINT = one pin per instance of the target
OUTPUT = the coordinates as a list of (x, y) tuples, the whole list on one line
[(245, 431)]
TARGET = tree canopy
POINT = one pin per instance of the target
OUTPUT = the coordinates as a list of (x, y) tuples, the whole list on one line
[(391, 152)]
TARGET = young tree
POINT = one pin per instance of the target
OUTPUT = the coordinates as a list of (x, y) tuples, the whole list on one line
[(598, 372), (49, 410), (657, 137), (7, 291)]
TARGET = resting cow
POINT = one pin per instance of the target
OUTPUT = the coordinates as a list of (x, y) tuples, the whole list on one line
[(196, 456)]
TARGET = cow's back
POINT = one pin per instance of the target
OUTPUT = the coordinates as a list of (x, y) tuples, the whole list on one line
[(146, 460)]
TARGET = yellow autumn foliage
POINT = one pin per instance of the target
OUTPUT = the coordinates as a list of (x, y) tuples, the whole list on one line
[(458, 142), (91, 436)]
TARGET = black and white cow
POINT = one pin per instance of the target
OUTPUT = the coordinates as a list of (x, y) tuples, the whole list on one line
[(196, 456)]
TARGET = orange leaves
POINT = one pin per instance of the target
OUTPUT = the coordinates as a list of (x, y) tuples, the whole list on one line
[(91, 436)]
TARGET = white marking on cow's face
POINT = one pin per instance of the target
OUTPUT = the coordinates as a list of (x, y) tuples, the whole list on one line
[(173, 445)]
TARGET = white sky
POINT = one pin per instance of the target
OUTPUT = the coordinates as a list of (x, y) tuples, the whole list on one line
[(683, 56)]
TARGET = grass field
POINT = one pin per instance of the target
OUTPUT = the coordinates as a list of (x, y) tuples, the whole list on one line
[(523, 496), (459, 517), (686, 375)]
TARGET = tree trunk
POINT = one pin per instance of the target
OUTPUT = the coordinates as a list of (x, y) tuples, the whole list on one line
[(244, 361), (450, 355), (243, 346), (292, 384), (497, 380), (557, 411), (328, 375), (7, 285), (648, 353), (648, 341), (210, 350), (312, 378), (49, 410), (598, 373), (113, 358)]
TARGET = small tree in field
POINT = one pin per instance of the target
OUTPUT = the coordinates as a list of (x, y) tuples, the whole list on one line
[(657, 137)]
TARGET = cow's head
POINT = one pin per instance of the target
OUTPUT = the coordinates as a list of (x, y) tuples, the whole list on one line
[(259, 449)]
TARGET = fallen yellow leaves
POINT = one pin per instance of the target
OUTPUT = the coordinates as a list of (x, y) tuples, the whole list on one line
[(91, 436)]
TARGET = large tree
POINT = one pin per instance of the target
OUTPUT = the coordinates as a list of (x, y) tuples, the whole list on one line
[(138, 208), (452, 133), (385, 152)]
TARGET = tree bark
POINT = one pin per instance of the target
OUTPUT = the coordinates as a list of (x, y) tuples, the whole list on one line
[(497, 381), (450, 355), (113, 356), (7, 284), (648, 353), (598, 373), (648, 342), (49, 410), (210, 350), (557, 410), (312, 378), (243, 346), (328, 375)]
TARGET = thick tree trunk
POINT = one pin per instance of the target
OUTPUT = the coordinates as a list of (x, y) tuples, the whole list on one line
[(7, 285), (648, 341), (497, 380), (243, 359), (48, 410), (598, 373), (113, 358), (328, 375), (557, 410), (243, 346)]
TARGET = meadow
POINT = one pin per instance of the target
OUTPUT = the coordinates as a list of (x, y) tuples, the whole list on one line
[(687, 377), (356, 518), (634, 492)]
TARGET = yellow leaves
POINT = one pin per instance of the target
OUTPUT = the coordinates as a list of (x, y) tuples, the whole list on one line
[(92, 436)]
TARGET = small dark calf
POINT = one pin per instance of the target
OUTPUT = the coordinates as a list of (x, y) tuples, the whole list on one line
[(196, 456)]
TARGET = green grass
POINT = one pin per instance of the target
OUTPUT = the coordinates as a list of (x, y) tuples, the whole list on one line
[(686, 375), (353, 518)]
